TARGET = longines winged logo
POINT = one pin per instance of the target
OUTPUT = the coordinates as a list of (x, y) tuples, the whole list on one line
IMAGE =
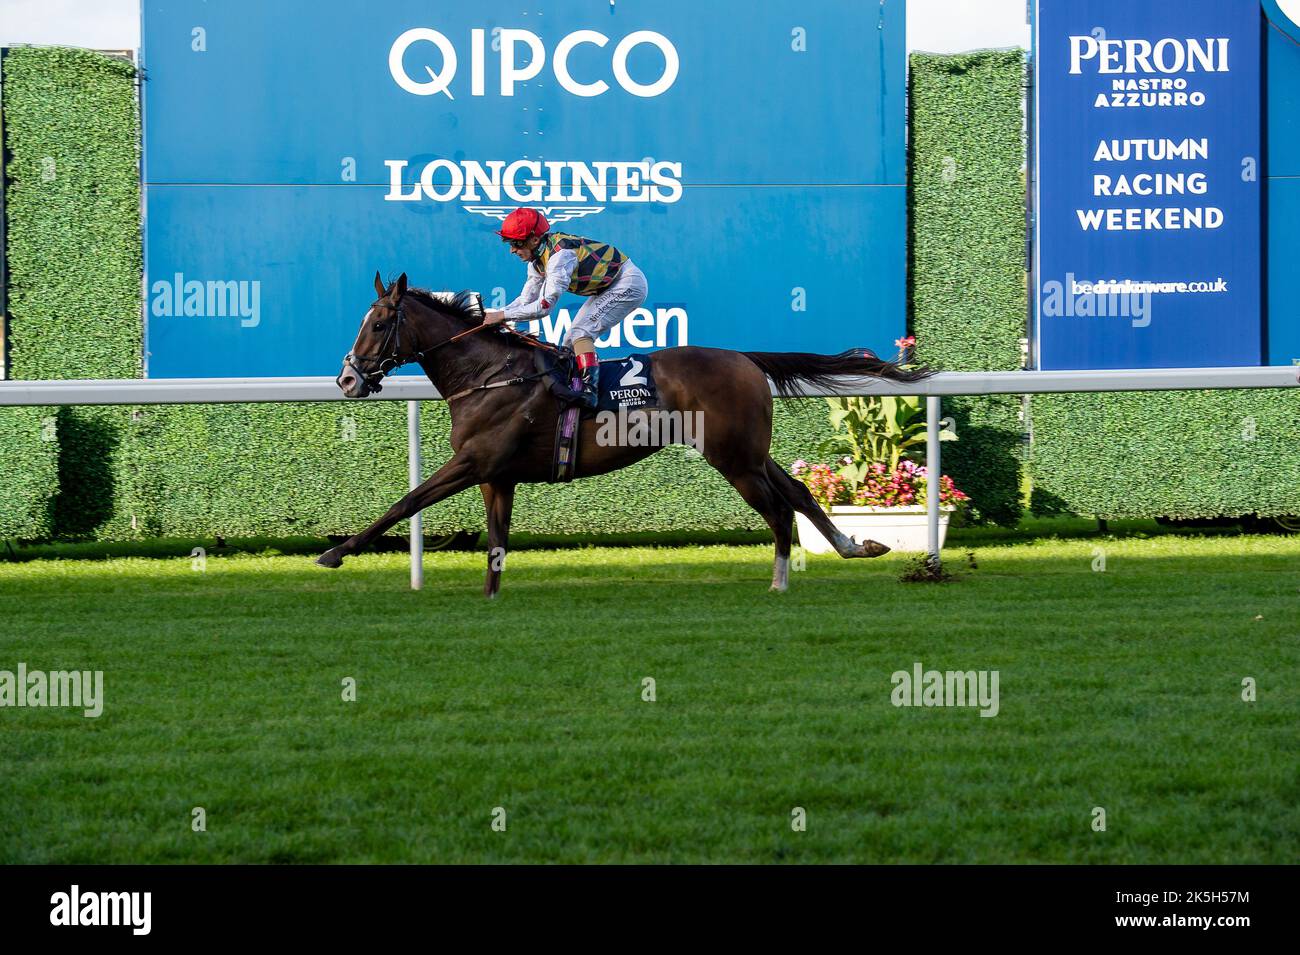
[(560, 190), (552, 213)]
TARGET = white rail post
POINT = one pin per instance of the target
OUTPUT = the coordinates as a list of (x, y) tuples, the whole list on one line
[(934, 474), (413, 473)]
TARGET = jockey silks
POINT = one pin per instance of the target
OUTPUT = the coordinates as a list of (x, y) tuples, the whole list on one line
[(597, 262)]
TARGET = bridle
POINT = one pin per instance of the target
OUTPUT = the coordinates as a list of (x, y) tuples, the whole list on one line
[(390, 359), (383, 365)]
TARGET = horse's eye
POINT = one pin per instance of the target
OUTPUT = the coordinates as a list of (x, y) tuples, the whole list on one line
[(379, 326)]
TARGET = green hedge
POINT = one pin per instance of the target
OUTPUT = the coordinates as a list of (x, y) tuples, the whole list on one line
[(73, 210), (248, 470), (72, 206), (969, 292), (1184, 454), (29, 472)]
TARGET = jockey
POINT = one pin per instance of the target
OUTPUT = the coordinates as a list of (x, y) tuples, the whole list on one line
[(557, 262)]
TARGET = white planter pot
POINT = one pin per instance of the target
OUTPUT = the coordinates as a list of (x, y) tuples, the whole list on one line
[(898, 528)]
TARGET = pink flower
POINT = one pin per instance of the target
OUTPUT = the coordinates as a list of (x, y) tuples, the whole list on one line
[(904, 486)]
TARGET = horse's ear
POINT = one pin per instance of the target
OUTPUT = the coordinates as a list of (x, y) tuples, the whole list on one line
[(401, 285), (379, 285)]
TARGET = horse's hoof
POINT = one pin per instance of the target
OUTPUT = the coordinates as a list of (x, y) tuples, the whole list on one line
[(865, 549), (330, 559)]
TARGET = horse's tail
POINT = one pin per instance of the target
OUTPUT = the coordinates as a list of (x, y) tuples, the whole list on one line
[(786, 369)]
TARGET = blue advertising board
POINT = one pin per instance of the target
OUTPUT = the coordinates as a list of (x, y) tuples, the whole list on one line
[(1148, 184), (749, 159)]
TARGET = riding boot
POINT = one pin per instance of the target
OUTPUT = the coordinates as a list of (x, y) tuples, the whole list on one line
[(590, 370)]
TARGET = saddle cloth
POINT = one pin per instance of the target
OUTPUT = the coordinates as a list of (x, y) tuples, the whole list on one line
[(627, 383)]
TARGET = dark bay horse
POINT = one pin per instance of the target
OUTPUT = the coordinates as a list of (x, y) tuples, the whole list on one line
[(503, 436)]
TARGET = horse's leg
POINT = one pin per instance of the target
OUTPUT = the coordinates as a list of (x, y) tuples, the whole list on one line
[(797, 493), (454, 476), (498, 499), (734, 396), (760, 494)]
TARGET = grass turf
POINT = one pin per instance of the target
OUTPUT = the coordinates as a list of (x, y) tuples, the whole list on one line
[(1119, 689)]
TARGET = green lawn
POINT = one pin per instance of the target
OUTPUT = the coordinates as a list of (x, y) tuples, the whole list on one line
[(1119, 689)]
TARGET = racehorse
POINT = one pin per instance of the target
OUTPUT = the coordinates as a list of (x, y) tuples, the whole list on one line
[(503, 424)]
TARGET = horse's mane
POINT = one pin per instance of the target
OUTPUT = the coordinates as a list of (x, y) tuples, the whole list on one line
[(466, 304)]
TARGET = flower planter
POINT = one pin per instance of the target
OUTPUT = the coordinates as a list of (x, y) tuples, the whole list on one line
[(898, 528)]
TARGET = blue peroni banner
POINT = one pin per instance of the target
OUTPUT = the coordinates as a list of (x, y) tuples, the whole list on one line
[(749, 159), (1147, 186)]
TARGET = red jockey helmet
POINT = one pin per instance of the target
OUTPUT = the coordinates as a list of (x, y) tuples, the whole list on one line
[(523, 223)]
